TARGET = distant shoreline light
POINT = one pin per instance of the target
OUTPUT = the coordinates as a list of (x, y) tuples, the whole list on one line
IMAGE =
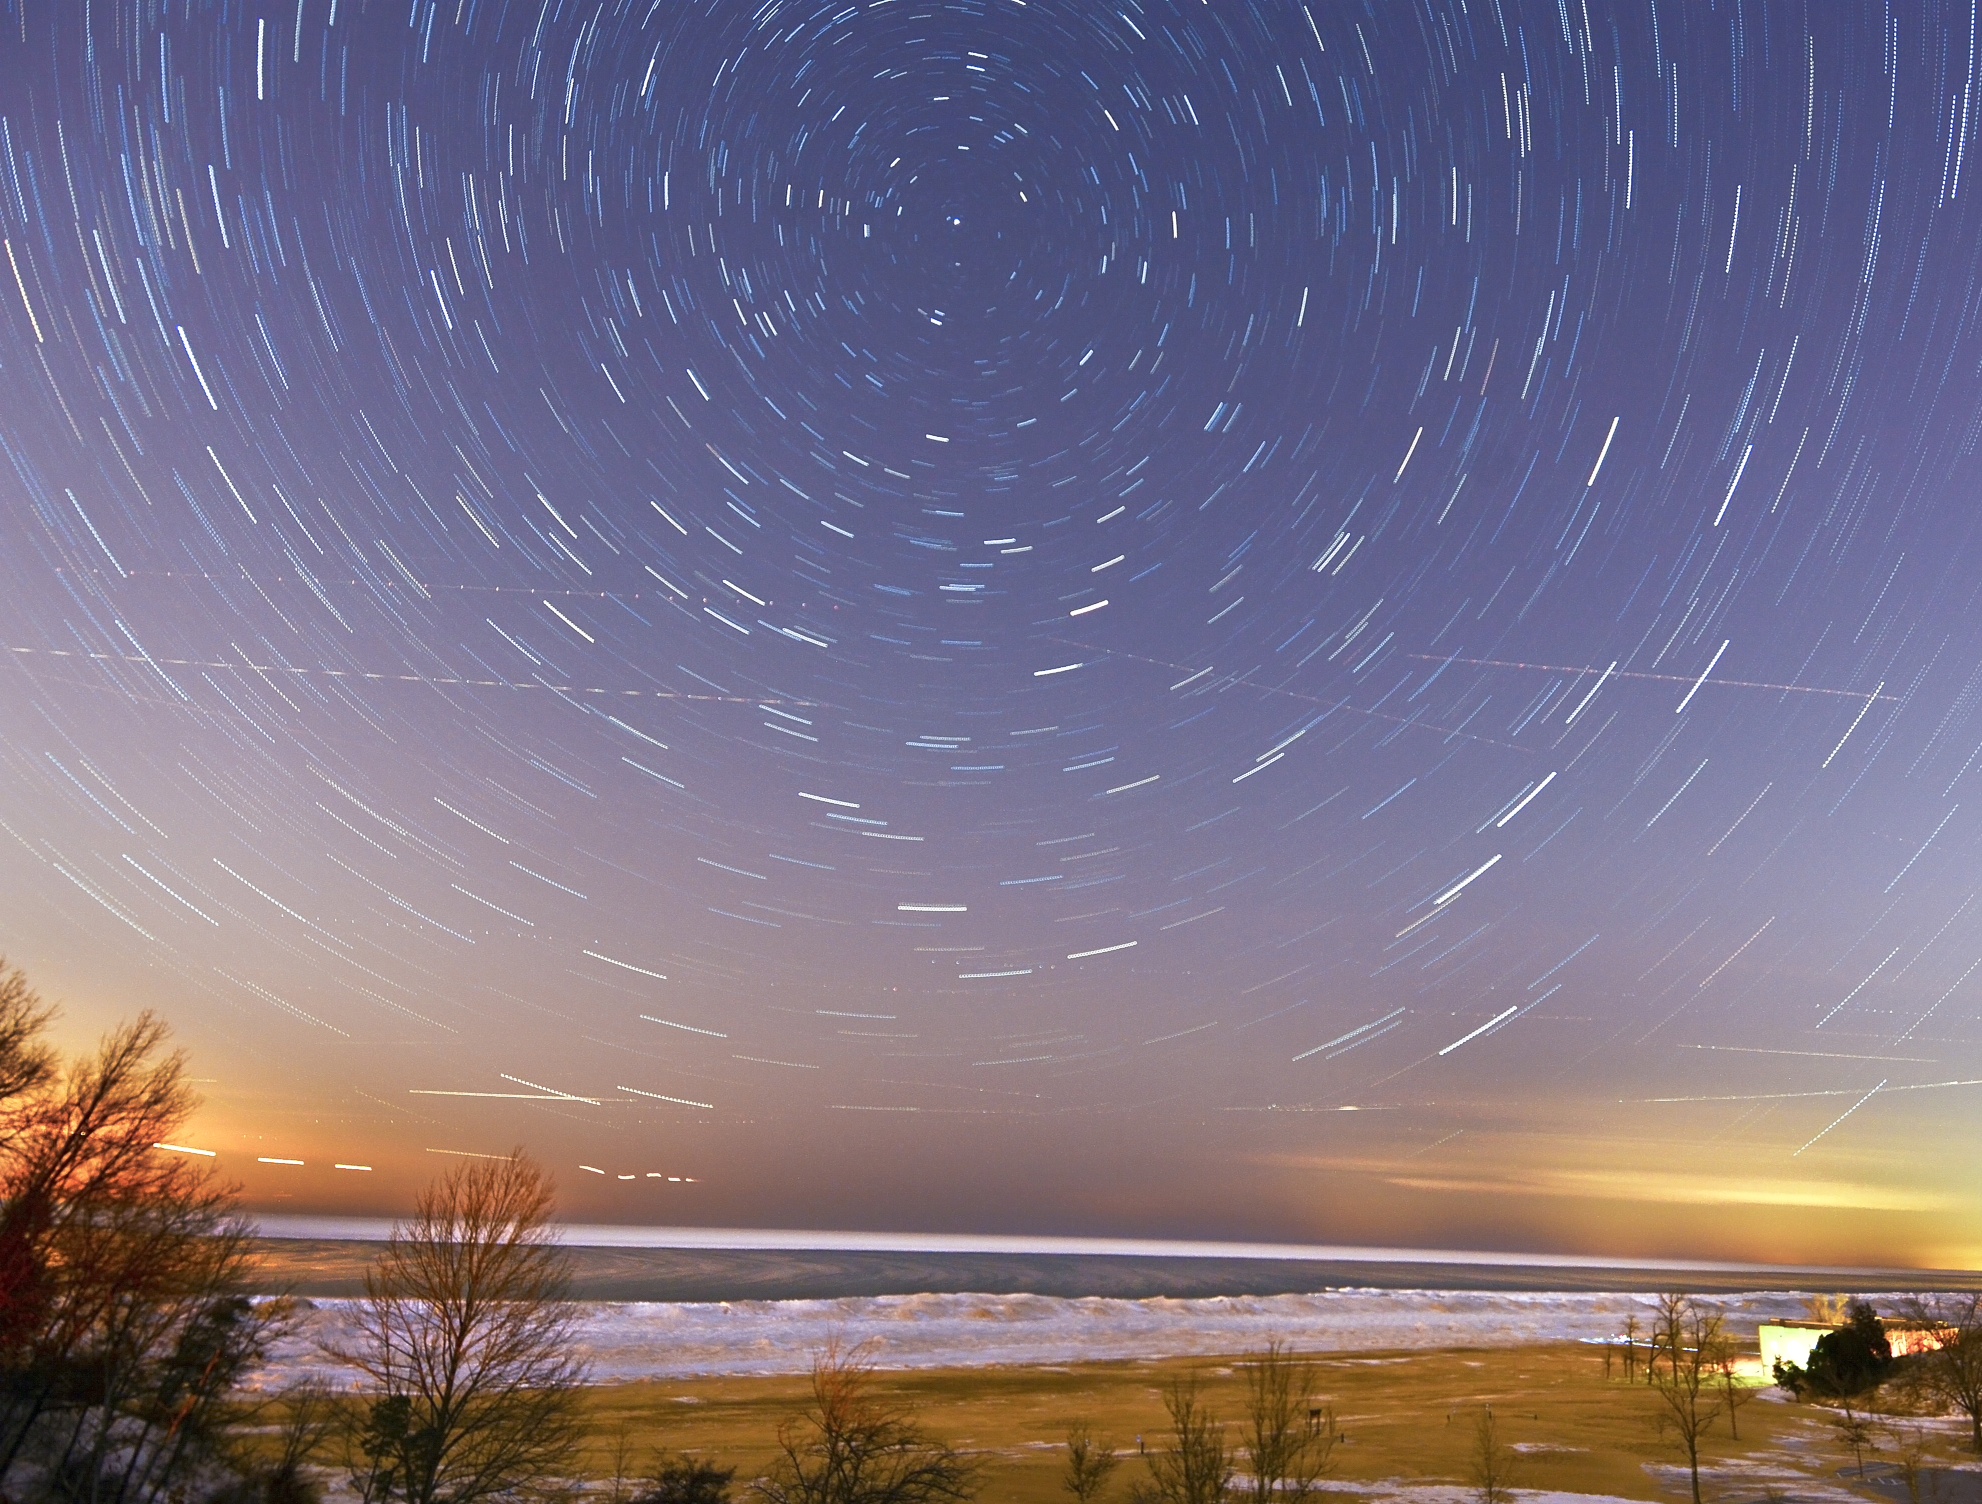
[(282, 1226)]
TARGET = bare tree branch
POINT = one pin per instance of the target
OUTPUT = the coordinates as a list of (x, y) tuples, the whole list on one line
[(1688, 1387), (1288, 1439), (1090, 1464), (850, 1448), (1196, 1466), (465, 1341)]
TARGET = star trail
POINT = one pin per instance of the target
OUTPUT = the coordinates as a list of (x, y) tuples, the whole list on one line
[(1239, 619)]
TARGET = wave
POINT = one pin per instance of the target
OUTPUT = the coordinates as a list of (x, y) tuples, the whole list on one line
[(631, 1340)]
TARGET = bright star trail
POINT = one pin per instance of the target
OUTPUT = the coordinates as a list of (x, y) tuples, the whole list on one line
[(978, 616)]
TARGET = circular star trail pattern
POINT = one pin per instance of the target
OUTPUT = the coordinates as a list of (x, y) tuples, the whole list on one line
[(908, 611)]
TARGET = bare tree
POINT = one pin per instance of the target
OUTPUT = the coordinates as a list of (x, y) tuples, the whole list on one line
[(304, 1416), (1855, 1430), (1911, 1451), (124, 1320), (1492, 1462), (1288, 1439), (851, 1448), (1195, 1467), (1954, 1368), (179, 1336), (26, 1061), (464, 1340), (1667, 1319), (1733, 1393), (1090, 1464), (72, 1149), (1630, 1347), (1688, 1387)]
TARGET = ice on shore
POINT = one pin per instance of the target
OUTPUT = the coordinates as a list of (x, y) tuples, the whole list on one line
[(666, 1340)]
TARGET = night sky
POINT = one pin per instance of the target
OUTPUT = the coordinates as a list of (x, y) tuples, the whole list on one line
[(1352, 621)]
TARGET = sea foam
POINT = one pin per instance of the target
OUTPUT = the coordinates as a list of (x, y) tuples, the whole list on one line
[(678, 1340)]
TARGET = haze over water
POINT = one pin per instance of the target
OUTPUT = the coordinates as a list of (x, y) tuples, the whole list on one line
[(1304, 623)]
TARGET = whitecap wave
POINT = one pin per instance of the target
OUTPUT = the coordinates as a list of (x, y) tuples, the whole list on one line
[(625, 1341)]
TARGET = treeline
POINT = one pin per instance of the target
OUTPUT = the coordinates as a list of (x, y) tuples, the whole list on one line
[(125, 1323), (1871, 1390), (1690, 1362), (128, 1331), (128, 1327), (129, 1335), (1280, 1449)]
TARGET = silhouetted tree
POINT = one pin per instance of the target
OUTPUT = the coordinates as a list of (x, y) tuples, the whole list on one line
[(124, 1319), (850, 1448), (26, 1060), (688, 1480), (282, 1474), (464, 1340), (1846, 1363), (1954, 1369)]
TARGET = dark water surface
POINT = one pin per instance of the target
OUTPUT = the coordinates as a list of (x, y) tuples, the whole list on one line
[(327, 1267)]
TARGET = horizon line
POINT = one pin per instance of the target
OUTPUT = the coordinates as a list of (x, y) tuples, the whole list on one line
[(298, 1227)]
